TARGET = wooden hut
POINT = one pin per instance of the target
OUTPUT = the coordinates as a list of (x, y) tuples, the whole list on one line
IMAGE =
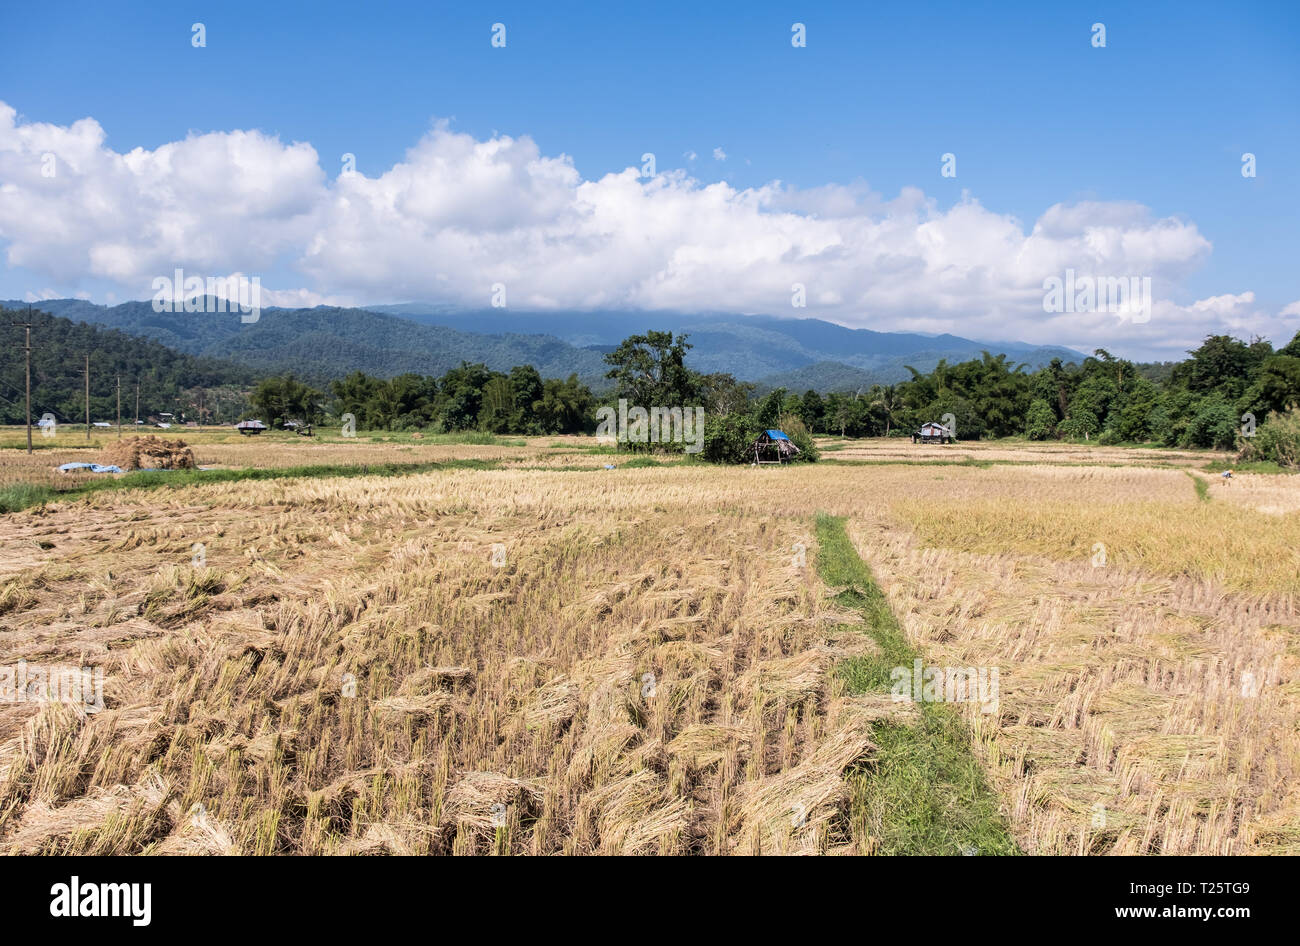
[(932, 433), (774, 446), (251, 428)]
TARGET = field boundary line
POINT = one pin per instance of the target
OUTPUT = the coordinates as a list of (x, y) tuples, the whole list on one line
[(923, 791)]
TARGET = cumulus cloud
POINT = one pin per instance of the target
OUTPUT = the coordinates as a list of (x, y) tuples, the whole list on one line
[(719, 154), (457, 215), (1174, 329), (73, 209)]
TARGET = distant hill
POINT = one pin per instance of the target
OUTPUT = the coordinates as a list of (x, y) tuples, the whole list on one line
[(324, 343), (59, 347), (821, 376), (761, 348)]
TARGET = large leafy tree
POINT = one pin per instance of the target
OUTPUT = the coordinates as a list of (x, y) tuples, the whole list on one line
[(460, 395), (723, 394), (526, 388), (650, 370), (1222, 364), (285, 398), (1276, 387), (811, 410), (566, 406)]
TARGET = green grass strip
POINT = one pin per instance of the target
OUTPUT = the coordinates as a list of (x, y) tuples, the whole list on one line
[(21, 495), (922, 791)]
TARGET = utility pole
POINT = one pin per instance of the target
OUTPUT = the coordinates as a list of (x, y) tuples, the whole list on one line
[(88, 395), (200, 408), (28, 325), (137, 403), (119, 407)]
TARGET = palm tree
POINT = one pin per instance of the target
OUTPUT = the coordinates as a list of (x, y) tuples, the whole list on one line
[(888, 400)]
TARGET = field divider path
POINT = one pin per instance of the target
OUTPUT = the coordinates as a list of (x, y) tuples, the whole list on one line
[(923, 790), (1200, 485)]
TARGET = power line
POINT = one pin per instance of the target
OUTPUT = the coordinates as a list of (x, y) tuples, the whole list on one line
[(28, 352)]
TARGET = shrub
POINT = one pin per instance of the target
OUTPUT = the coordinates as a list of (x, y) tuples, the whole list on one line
[(1214, 424), (1276, 440), (800, 437), (730, 439), (1040, 423), (1081, 423)]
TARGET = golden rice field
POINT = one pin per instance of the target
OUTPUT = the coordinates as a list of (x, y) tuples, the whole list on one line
[(902, 450), (541, 659), (221, 448)]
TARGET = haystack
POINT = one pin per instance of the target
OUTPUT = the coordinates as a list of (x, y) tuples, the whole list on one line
[(148, 453)]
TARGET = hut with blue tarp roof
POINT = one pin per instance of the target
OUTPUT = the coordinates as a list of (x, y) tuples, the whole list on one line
[(774, 446)]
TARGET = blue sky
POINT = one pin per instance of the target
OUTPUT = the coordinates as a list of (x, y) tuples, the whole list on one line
[(1035, 115)]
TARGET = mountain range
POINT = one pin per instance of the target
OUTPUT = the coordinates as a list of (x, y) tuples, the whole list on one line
[(322, 343)]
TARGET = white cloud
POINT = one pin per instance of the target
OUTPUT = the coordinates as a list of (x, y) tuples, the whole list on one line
[(1224, 305), (211, 201), (458, 214), (301, 299), (719, 154)]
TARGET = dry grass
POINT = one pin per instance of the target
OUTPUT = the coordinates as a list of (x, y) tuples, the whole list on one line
[(902, 450), (1137, 714), (148, 453), (221, 448), (649, 671), (1274, 494), (351, 673), (1148, 519)]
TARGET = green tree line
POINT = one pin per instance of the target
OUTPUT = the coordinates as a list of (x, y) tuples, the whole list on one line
[(1206, 400), (468, 397), (1199, 402)]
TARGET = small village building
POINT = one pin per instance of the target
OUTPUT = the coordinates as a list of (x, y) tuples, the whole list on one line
[(932, 433), (774, 446), (251, 428)]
